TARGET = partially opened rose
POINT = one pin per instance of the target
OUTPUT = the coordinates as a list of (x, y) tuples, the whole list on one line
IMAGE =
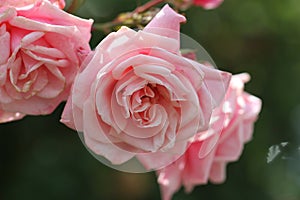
[(42, 48), (242, 110), (138, 96), (210, 151)]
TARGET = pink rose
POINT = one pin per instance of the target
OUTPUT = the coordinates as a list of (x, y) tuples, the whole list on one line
[(137, 96), (242, 110), (42, 48), (9, 116), (185, 4), (17, 3), (210, 151), (207, 4)]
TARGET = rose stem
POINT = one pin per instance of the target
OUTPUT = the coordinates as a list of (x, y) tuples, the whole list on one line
[(107, 25)]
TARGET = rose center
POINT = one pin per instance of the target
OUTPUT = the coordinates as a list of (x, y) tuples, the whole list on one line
[(141, 103)]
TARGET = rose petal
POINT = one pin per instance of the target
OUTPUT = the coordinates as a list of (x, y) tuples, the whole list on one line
[(166, 23), (196, 171), (10, 116), (170, 180), (5, 46), (217, 172), (7, 13), (93, 132)]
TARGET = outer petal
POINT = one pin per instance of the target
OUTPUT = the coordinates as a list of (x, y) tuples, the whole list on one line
[(253, 107), (169, 179), (94, 133), (10, 116), (67, 115), (166, 23), (159, 160), (52, 15), (197, 169), (218, 172), (36, 105), (216, 81), (231, 148), (5, 45)]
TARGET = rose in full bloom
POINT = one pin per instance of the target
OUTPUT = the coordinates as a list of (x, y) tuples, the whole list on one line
[(210, 151), (137, 96), (42, 48), (207, 4), (10, 116)]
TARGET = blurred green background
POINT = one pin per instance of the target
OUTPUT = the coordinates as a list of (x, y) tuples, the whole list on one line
[(43, 159)]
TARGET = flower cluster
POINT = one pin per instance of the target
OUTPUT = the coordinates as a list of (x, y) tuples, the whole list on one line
[(135, 97)]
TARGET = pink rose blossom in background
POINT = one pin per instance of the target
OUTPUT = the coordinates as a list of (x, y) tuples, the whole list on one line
[(185, 4), (208, 4), (42, 48), (9, 116), (210, 151), (22, 3), (138, 96)]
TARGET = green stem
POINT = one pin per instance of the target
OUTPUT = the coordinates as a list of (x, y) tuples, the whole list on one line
[(147, 6), (106, 27)]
